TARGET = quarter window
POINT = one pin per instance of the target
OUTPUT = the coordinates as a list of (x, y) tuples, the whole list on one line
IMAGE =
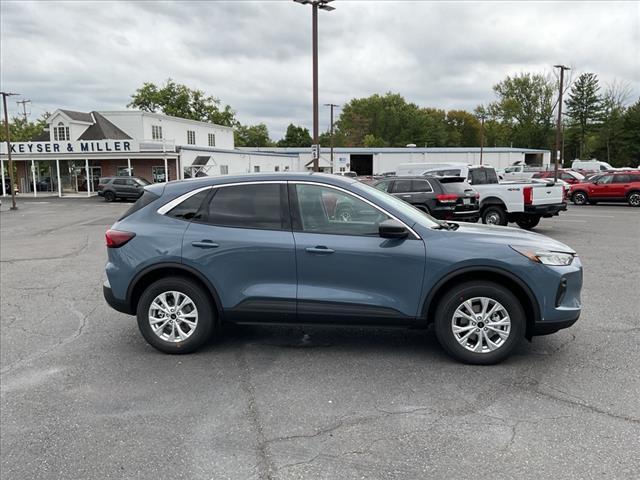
[(212, 139), (326, 210), (248, 206), (156, 132), (191, 137)]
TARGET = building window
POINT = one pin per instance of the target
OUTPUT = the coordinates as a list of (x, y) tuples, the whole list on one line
[(224, 169), (158, 174), (256, 168), (286, 168), (191, 137), (277, 168), (61, 133), (156, 132), (212, 139), (124, 171)]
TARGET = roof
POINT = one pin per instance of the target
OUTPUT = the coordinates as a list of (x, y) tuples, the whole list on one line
[(79, 116), (356, 150), (162, 115), (102, 129), (243, 151)]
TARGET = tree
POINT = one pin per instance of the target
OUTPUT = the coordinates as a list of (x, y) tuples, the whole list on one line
[(463, 129), (22, 130), (181, 101), (296, 137), (252, 136), (584, 107), (630, 155), (610, 134), (525, 105)]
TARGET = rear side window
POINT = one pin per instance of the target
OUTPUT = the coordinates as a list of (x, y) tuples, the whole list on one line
[(257, 206), (456, 187), (190, 208), (634, 177), (621, 179), (420, 186), (119, 181), (146, 198), (402, 186)]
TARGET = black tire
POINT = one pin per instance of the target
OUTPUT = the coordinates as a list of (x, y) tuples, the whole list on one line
[(580, 198), (634, 199), (206, 318), (593, 202), (529, 222), (453, 298), (494, 215), (109, 196)]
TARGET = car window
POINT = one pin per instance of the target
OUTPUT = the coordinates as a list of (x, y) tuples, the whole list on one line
[(248, 206), (146, 198), (142, 181), (402, 186), (383, 186), (190, 209), (131, 182), (567, 176), (482, 176), (605, 179), (456, 187), (420, 186), (621, 179), (327, 210), (634, 178), (120, 181)]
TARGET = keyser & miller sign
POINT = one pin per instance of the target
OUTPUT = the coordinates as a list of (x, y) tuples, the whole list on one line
[(95, 146)]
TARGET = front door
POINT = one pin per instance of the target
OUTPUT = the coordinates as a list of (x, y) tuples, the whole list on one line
[(242, 242), (603, 188), (347, 273)]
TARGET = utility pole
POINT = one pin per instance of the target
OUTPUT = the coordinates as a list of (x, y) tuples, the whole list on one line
[(6, 127), (331, 106), (315, 5), (24, 108), (482, 116), (559, 122)]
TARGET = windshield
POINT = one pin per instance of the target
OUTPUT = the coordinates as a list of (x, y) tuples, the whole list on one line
[(416, 215)]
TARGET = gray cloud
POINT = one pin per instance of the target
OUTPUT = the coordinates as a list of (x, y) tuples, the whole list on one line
[(255, 55)]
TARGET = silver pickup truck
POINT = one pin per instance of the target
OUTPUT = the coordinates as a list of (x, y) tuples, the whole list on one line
[(523, 203)]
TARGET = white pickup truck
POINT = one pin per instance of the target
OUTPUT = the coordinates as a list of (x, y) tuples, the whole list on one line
[(518, 172), (524, 203)]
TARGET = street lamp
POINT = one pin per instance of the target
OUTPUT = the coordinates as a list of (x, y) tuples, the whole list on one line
[(482, 117), (332, 106), (558, 124), (315, 5)]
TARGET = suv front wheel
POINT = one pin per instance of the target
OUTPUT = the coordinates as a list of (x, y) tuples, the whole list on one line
[(479, 322), (175, 315)]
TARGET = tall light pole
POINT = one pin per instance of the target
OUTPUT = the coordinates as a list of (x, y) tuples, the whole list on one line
[(8, 139), (331, 106), (482, 116), (559, 122), (315, 5)]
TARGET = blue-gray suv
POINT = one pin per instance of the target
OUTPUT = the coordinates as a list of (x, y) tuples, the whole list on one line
[(271, 248)]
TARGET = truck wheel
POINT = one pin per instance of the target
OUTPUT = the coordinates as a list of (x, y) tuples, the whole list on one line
[(579, 198), (528, 223), (634, 199), (109, 196), (175, 315), (479, 322), (494, 215)]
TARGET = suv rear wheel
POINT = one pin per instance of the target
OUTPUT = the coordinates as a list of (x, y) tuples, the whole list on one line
[(479, 322), (109, 196), (634, 199), (175, 315)]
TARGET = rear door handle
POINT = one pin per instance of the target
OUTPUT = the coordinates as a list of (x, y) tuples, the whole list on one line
[(406, 196), (205, 244), (319, 249)]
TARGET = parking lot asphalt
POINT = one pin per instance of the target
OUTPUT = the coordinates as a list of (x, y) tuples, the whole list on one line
[(83, 396)]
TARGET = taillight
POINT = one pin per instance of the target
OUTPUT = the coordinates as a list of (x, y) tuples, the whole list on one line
[(528, 195), (447, 198), (116, 238)]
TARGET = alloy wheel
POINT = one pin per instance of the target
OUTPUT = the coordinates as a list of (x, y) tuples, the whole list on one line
[(173, 316), (634, 199), (481, 325)]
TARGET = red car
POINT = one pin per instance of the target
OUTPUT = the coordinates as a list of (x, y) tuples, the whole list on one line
[(569, 176), (622, 186)]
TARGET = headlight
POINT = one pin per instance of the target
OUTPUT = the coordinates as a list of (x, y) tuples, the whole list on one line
[(546, 257)]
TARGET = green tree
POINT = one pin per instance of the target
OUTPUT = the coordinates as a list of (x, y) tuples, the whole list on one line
[(525, 105), (252, 136), (463, 129), (181, 101), (584, 107), (434, 127), (296, 137), (630, 155), (22, 130), (371, 141)]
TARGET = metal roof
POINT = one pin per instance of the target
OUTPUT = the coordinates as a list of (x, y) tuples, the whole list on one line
[(298, 150)]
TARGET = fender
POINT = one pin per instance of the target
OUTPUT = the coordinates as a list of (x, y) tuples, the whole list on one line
[(176, 266), (481, 269), (492, 201)]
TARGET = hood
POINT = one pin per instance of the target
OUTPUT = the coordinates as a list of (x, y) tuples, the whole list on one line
[(511, 236)]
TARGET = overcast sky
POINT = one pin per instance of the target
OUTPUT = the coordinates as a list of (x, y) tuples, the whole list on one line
[(255, 55)]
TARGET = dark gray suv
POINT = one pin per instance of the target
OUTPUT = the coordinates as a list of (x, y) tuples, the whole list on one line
[(112, 188)]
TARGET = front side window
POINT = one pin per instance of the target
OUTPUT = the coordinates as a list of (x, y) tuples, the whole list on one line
[(326, 210), (605, 179), (156, 132), (191, 137), (256, 206), (211, 139)]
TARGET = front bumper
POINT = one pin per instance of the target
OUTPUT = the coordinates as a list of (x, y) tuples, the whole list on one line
[(115, 303), (546, 210)]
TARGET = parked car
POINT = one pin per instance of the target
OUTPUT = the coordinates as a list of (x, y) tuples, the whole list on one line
[(569, 176), (347, 174), (410, 169), (368, 179), (616, 186), (519, 172), (44, 185), (444, 198), (113, 188), (189, 256), (591, 165)]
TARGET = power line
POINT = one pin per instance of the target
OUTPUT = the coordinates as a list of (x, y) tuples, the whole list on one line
[(24, 108)]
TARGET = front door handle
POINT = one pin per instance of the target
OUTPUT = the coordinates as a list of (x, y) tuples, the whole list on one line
[(406, 196), (320, 249), (205, 244)]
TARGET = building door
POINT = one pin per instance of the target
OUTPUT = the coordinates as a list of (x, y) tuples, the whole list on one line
[(362, 164)]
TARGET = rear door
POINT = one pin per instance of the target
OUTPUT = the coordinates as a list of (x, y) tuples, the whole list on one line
[(346, 272), (244, 245), (620, 184)]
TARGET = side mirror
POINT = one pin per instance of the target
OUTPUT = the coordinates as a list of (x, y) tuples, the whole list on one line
[(392, 229)]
